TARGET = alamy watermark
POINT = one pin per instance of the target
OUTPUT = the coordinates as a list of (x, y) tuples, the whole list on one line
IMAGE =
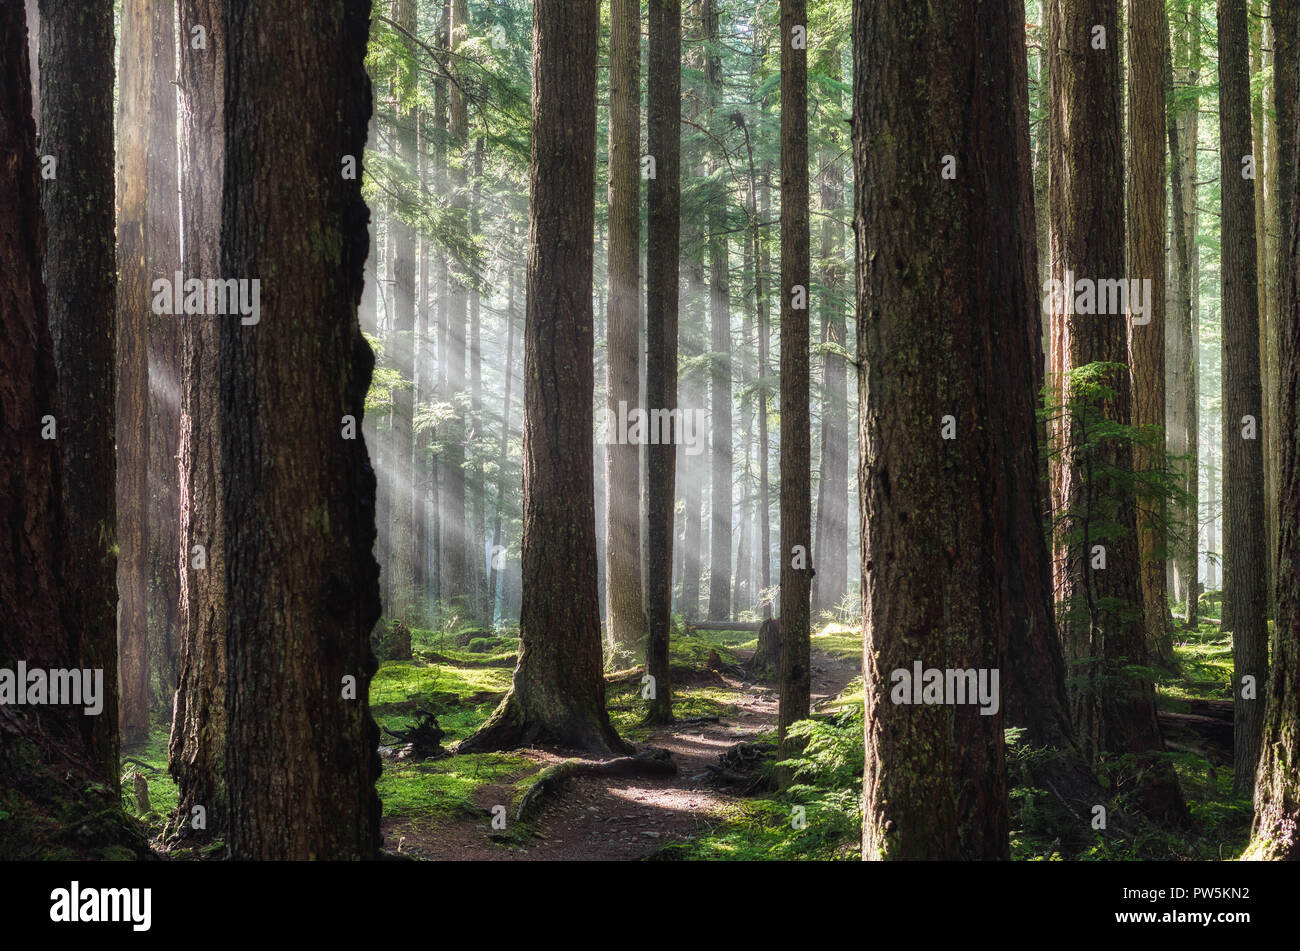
[(1105, 296), (24, 686), (952, 686), (214, 297), (658, 427)]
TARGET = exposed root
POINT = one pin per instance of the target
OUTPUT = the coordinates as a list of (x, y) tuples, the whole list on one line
[(651, 762)]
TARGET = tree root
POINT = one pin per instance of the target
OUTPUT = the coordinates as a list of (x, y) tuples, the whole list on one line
[(651, 762)]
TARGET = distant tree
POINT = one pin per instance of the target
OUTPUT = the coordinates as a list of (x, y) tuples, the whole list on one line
[(1097, 578), (1148, 59), (720, 400), (796, 440), (196, 748), (402, 338), (55, 789), (625, 623), (135, 85), (663, 202)]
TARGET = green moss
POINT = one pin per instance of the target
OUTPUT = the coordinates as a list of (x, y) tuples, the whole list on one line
[(413, 682), (444, 789), (839, 640)]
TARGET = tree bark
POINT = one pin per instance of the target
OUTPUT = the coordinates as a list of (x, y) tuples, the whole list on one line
[(302, 586), (831, 559), (625, 624), (941, 264), (1245, 600), (1148, 59), (196, 748), (796, 297), (401, 340), (663, 202), (163, 228), (1113, 709), (132, 358), (81, 280), (558, 694), (59, 800), (1277, 783), (1183, 343)]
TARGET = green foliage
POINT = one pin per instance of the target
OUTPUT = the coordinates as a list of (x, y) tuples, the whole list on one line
[(827, 788)]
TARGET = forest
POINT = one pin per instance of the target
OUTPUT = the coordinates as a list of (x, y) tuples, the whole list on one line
[(649, 430)]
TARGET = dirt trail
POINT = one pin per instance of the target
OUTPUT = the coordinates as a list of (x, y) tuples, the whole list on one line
[(619, 818)]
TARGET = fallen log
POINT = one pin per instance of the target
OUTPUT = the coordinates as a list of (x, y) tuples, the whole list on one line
[(1208, 736), (722, 625)]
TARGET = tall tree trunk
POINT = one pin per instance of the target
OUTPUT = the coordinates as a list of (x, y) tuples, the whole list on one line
[(743, 592), (764, 451), (442, 280), (935, 287), (720, 403), (197, 746), (1277, 785), (302, 588), (1267, 230), (663, 202), (692, 470), (625, 617), (1148, 61), (503, 455), (164, 359), (796, 450), (558, 694), (34, 57), (401, 340), (423, 359), (56, 792), (81, 279), (1097, 581), (474, 535), (132, 402), (455, 543), (1183, 343), (831, 583), (1245, 600)]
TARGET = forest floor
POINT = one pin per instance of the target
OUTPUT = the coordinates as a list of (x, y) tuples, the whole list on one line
[(633, 817), (467, 806)]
